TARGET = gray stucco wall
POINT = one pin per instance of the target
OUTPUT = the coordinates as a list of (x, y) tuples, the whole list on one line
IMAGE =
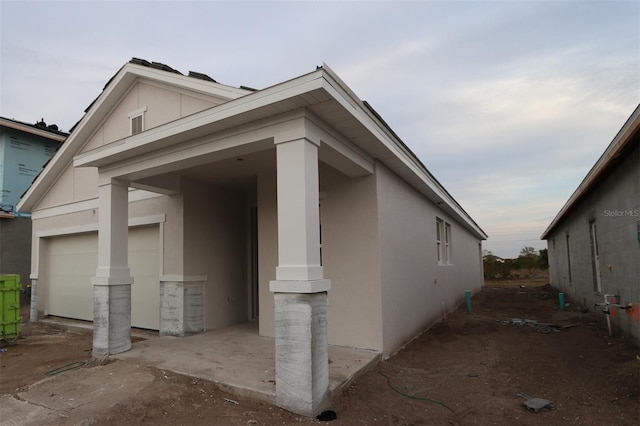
[(215, 241), (416, 289), (614, 207)]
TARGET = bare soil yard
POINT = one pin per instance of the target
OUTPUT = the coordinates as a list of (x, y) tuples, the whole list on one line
[(466, 370)]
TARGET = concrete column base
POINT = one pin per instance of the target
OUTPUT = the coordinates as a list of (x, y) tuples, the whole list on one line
[(302, 352), (34, 315), (111, 320), (181, 308)]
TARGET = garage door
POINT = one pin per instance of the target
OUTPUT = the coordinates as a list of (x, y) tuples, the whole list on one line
[(71, 260)]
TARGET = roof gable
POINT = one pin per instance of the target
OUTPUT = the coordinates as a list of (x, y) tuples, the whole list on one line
[(320, 93), (130, 77)]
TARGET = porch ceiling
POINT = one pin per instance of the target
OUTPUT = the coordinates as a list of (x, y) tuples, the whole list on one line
[(237, 173)]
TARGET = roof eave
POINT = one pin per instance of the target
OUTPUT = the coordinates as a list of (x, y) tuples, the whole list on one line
[(619, 143), (45, 133)]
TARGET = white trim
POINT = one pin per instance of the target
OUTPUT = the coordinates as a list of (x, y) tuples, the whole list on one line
[(65, 209), (139, 111), (139, 126), (312, 286), (147, 220), (182, 278), (93, 227), (135, 194)]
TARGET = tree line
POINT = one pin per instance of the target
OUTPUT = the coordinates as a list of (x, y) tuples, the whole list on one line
[(528, 260)]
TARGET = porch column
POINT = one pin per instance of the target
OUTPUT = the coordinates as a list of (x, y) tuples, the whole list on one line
[(112, 283), (300, 290), (181, 305)]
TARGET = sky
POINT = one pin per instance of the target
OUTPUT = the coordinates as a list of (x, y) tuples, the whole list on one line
[(508, 103)]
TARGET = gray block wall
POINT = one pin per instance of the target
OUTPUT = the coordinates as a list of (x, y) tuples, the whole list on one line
[(614, 207), (15, 249)]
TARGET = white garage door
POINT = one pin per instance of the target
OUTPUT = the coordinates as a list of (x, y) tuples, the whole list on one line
[(71, 260)]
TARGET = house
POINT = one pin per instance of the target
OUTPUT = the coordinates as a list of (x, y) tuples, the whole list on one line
[(594, 241), (180, 204), (24, 150)]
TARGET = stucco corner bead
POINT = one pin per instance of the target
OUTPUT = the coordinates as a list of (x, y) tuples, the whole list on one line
[(312, 286)]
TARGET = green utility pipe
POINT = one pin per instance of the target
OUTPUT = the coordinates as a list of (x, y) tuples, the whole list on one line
[(467, 296), (561, 300)]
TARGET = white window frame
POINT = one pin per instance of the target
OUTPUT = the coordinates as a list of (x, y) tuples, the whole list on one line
[(439, 232), (447, 243), (443, 242), (133, 115)]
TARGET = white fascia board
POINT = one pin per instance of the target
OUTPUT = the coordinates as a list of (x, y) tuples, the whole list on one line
[(66, 152), (135, 194), (354, 105), (191, 83), (93, 227), (178, 130), (345, 148)]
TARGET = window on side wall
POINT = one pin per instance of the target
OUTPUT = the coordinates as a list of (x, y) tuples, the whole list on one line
[(136, 119), (447, 243), (443, 242)]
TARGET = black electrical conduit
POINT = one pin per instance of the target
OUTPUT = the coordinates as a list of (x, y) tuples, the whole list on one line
[(67, 367), (420, 398)]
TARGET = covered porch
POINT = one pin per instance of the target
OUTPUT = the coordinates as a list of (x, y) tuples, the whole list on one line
[(240, 361), (275, 160)]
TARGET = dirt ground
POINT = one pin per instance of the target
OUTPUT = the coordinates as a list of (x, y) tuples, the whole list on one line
[(466, 370)]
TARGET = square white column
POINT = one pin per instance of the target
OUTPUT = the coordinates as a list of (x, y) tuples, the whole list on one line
[(112, 283), (300, 290)]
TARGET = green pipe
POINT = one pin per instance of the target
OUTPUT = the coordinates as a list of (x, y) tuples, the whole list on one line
[(467, 296), (561, 300)]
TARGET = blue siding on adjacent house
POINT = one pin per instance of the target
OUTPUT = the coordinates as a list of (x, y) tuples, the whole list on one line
[(22, 157)]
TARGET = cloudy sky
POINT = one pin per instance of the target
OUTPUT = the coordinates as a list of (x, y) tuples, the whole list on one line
[(507, 103)]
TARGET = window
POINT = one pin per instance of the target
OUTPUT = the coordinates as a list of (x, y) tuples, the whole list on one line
[(569, 259), (443, 242), (447, 243), (595, 257), (439, 239), (137, 121)]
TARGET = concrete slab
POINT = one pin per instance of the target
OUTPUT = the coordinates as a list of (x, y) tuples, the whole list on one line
[(240, 361)]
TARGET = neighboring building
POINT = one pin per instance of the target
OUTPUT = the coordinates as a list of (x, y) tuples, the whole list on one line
[(24, 150), (217, 194), (594, 241)]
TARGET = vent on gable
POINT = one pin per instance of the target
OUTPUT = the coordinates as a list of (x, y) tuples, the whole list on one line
[(137, 121)]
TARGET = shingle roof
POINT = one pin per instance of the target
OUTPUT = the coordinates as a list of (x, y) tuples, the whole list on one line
[(40, 125)]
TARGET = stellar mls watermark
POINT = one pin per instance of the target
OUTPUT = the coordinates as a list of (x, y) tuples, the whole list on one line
[(622, 213)]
